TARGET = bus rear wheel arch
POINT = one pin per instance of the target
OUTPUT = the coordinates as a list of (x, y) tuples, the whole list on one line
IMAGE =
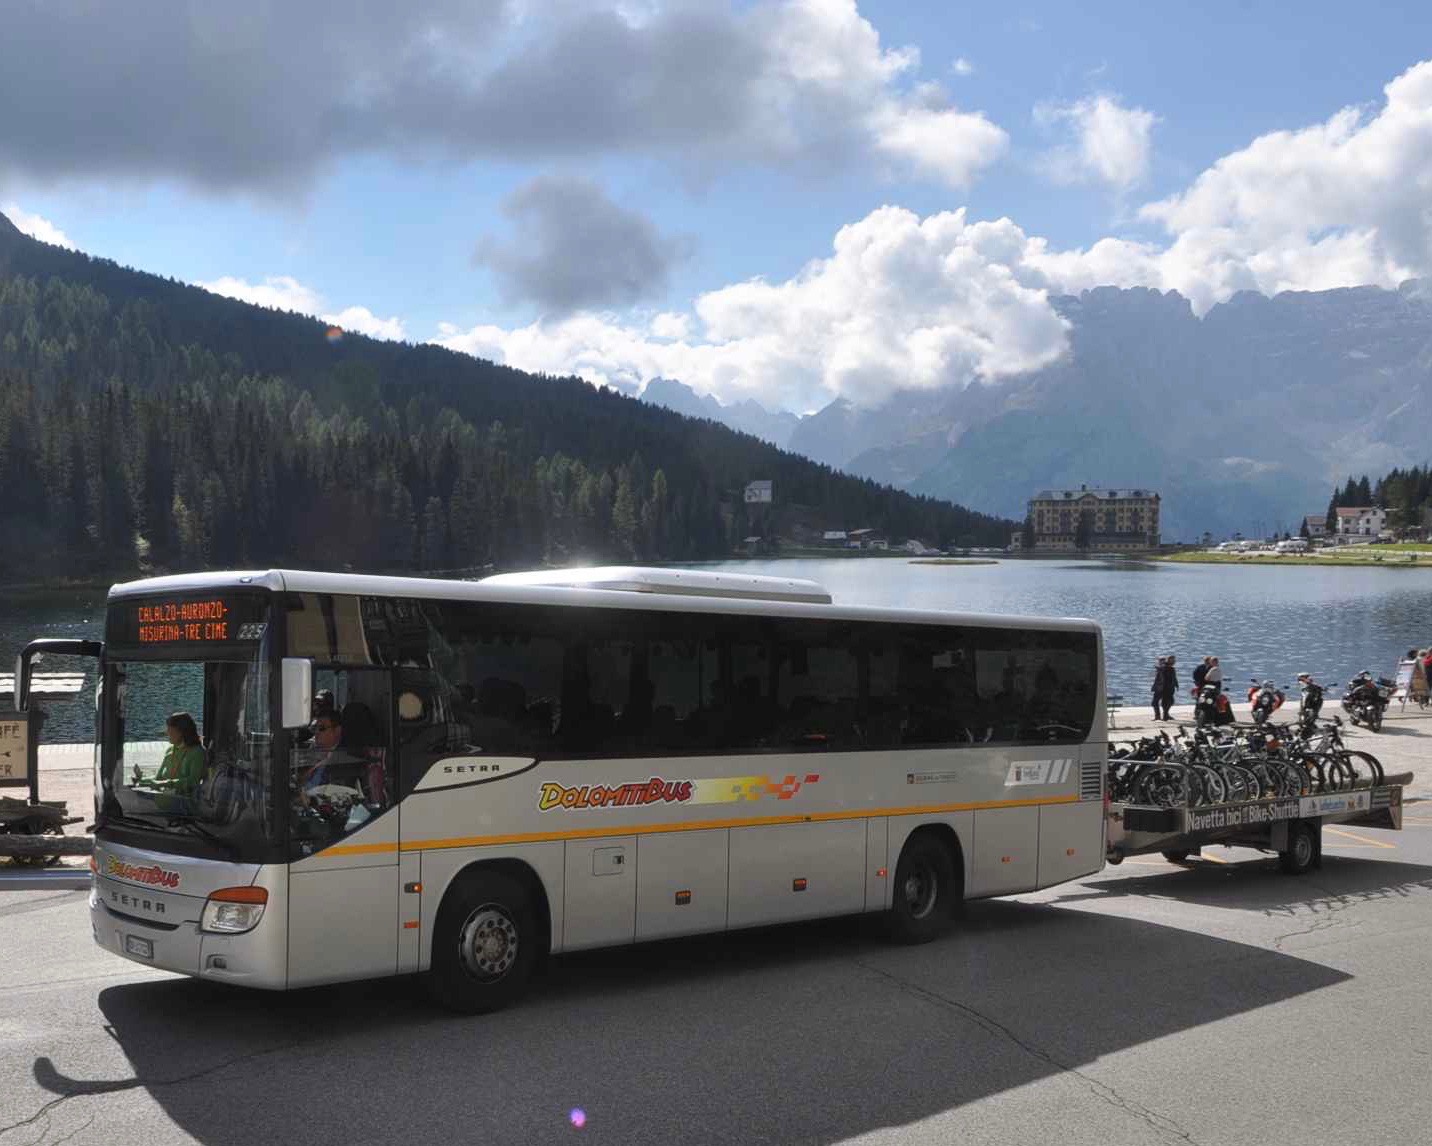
[(486, 940), (928, 888)]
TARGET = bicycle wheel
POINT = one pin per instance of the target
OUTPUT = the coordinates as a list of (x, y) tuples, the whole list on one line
[(1294, 781), (1238, 783), (1313, 766), (1211, 785), (1338, 772), (1373, 765), (1163, 786)]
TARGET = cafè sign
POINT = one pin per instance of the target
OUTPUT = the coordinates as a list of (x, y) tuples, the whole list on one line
[(14, 751)]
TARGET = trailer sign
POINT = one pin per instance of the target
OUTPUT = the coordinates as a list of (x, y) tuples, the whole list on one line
[(1244, 815)]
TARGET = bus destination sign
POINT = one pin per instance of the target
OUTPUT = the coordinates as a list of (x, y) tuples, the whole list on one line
[(168, 622), (213, 620), (186, 621)]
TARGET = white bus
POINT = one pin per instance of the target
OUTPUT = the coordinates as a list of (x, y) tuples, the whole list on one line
[(398, 775)]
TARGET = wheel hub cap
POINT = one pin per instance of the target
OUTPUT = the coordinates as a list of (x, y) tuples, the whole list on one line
[(488, 943), (920, 893)]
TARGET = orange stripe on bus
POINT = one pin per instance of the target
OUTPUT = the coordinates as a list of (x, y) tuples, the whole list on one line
[(593, 833)]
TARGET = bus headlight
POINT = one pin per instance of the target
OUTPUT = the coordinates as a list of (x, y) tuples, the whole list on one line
[(232, 910)]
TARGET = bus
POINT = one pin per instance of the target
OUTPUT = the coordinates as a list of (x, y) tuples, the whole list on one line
[(303, 777)]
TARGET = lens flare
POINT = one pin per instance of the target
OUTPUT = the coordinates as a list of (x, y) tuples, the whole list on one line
[(334, 335), (578, 1117)]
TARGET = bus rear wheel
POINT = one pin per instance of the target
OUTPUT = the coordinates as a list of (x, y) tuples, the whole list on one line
[(484, 943), (925, 893)]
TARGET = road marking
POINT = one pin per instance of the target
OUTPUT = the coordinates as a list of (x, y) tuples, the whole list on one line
[(1365, 842)]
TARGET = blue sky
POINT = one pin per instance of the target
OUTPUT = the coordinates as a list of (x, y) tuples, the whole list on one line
[(484, 217)]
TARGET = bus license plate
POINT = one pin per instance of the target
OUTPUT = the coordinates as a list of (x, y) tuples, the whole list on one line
[(134, 945)]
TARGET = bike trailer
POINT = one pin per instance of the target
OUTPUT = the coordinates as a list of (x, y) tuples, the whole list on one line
[(1290, 826)]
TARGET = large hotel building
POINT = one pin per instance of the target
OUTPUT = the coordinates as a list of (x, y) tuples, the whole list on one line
[(1115, 519)]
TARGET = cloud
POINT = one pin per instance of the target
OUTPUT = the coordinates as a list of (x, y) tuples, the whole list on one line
[(1339, 203), (962, 67), (270, 94), (361, 320), (903, 302), (1110, 143), (576, 249), (279, 292), (282, 292), (671, 326), (900, 303), (36, 226), (946, 144)]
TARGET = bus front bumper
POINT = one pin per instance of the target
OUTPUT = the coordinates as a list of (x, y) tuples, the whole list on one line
[(256, 958)]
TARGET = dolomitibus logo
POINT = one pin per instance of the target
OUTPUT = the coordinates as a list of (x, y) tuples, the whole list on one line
[(711, 790), (155, 876), (655, 790)]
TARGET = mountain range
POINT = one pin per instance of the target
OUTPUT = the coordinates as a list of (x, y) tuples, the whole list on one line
[(1243, 418)]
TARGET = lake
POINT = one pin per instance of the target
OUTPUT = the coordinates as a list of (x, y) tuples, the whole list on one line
[(1260, 620)]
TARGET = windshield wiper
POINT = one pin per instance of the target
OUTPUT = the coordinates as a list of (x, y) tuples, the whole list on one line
[(193, 827), (119, 819)]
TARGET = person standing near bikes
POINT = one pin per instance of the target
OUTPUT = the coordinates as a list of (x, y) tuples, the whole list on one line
[(1164, 699), (1200, 671), (1157, 688)]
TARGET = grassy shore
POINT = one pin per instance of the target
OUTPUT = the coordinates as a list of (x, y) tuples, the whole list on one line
[(1379, 556)]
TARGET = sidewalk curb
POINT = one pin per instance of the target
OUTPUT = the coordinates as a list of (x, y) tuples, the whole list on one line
[(17, 879)]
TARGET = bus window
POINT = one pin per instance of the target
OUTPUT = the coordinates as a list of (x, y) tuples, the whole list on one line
[(937, 688), (1036, 686), (681, 667), (818, 693), (341, 777), (510, 662)]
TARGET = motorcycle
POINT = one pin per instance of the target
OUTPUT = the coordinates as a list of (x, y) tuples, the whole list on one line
[(1210, 707), (1266, 700), (1366, 700), (1310, 703)]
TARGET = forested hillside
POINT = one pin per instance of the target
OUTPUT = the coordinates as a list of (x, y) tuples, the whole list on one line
[(146, 424)]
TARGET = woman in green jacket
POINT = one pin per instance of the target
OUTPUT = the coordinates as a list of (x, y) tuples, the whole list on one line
[(183, 765)]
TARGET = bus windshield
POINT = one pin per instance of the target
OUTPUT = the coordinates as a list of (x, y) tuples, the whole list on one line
[(187, 749)]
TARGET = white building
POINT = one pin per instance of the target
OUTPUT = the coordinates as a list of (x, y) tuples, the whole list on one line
[(1362, 521)]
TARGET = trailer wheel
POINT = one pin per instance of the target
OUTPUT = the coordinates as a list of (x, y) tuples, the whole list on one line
[(925, 892), (484, 943), (1302, 854), (1177, 855)]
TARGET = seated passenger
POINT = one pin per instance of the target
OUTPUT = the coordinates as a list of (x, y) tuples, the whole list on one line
[(182, 768)]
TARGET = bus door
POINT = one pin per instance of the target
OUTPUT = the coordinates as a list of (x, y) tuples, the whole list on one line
[(345, 914), (433, 725)]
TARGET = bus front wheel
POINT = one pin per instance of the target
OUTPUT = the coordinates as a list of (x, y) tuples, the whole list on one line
[(484, 943), (925, 892)]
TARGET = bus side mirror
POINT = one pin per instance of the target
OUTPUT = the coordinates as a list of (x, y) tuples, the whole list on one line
[(296, 691), (25, 662)]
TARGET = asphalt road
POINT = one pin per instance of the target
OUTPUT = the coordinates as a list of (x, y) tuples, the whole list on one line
[(1212, 1004)]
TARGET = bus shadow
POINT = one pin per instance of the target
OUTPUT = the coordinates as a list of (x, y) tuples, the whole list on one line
[(1259, 885), (813, 1033)]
